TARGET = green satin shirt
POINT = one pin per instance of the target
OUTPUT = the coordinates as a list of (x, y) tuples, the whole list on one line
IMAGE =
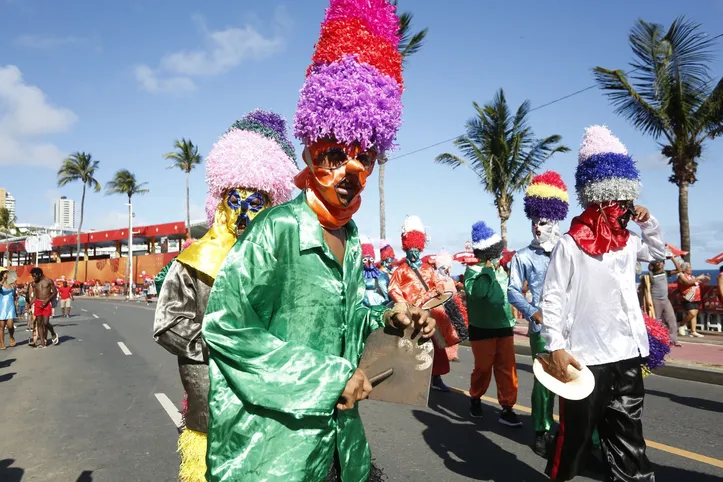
[(285, 328)]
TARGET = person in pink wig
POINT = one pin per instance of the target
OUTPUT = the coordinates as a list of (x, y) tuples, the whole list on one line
[(249, 169)]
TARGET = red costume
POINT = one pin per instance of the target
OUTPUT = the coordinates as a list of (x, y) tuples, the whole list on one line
[(406, 286)]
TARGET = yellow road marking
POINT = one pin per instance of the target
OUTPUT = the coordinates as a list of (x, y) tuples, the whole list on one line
[(665, 448)]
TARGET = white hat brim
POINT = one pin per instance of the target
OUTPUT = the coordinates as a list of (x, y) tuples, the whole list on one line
[(581, 385)]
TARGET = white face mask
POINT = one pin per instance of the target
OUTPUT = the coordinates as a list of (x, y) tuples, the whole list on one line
[(549, 234)]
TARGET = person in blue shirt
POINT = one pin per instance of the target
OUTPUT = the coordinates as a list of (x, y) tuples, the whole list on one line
[(376, 281), (546, 204)]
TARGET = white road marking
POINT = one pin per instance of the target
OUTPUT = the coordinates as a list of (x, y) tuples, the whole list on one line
[(170, 409), (95, 316), (106, 326), (84, 310), (124, 348)]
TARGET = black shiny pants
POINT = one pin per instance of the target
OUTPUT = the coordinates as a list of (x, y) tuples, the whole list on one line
[(616, 407)]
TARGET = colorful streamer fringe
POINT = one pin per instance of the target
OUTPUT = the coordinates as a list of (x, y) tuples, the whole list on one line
[(659, 341), (353, 88), (192, 448), (605, 171), (546, 197)]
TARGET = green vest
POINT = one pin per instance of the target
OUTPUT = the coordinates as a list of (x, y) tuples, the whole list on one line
[(487, 305)]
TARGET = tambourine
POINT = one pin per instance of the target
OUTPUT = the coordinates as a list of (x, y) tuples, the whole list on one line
[(437, 301)]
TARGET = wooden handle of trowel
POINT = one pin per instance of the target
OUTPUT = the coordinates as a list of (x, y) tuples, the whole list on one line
[(380, 377)]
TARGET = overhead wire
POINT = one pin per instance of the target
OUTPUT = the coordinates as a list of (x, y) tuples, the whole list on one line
[(560, 99)]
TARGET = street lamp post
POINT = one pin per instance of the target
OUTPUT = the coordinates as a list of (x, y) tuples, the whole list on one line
[(130, 251)]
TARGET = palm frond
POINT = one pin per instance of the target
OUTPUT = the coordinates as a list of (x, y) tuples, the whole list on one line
[(501, 149), (124, 182), (450, 160), (185, 157), (410, 43), (79, 166), (709, 115), (630, 104)]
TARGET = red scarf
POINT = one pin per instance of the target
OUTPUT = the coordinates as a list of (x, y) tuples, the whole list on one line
[(597, 230)]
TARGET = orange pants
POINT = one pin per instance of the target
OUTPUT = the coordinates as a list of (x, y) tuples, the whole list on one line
[(497, 354)]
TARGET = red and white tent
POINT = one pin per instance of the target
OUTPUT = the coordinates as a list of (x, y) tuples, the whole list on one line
[(715, 260)]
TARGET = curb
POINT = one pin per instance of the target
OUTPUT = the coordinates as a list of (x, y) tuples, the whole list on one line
[(670, 370)]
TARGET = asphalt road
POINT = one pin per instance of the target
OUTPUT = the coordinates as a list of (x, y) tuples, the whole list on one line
[(86, 410)]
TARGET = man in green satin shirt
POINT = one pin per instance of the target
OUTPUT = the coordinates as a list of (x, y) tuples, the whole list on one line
[(285, 326)]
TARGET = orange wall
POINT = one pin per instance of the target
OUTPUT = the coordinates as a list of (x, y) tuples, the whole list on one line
[(102, 269)]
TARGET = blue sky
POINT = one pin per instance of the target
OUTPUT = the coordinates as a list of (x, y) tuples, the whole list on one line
[(122, 80)]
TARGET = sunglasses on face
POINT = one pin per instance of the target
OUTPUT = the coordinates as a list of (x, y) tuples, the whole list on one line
[(336, 157)]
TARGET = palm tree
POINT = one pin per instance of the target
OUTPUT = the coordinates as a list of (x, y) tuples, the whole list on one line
[(671, 97), (185, 158), (502, 151), (7, 222), (124, 182), (79, 166), (409, 44)]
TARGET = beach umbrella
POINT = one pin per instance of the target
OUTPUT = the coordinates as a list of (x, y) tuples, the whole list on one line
[(120, 281), (675, 251), (715, 260), (465, 257)]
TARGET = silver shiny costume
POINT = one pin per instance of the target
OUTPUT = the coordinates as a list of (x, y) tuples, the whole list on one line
[(177, 328)]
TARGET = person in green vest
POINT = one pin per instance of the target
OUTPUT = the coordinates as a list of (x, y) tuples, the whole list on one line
[(491, 324)]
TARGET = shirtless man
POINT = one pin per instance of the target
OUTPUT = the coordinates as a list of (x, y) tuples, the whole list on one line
[(43, 291)]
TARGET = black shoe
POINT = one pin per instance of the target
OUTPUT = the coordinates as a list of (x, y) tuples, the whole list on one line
[(542, 444), (475, 408), (509, 418), (438, 384)]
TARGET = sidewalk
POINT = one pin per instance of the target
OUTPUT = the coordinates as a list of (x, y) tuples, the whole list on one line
[(699, 359), (705, 352)]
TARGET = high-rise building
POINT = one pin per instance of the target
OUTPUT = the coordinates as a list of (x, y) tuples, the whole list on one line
[(64, 217), (7, 201)]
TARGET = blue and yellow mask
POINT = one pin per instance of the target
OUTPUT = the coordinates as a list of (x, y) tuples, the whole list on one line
[(238, 208)]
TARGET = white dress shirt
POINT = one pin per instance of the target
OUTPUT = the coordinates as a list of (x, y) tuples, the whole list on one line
[(589, 303)]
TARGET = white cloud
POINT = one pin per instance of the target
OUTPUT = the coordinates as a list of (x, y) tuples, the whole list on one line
[(652, 162), (48, 42), (169, 85), (25, 115), (222, 51)]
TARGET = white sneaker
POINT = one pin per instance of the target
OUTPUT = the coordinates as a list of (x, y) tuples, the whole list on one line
[(681, 331), (697, 335)]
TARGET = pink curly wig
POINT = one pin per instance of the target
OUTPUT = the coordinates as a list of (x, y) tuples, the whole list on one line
[(247, 159)]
